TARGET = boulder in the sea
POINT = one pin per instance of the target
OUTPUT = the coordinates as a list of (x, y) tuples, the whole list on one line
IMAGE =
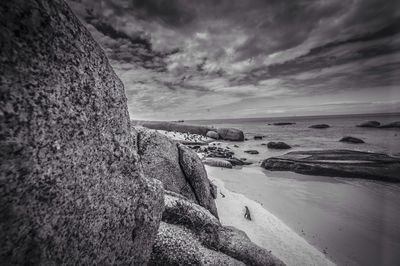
[(217, 162), (391, 125), (278, 145), (340, 163), (258, 137), (283, 123), (212, 134), (251, 151), (350, 139), (369, 124), (72, 192), (320, 126), (230, 134), (247, 213)]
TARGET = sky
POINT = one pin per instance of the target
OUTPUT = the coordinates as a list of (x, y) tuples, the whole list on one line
[(192, 59)]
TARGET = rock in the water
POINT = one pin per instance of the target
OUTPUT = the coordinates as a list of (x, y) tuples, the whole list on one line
[(190, 235), (370, 124), (196, 176), (391, 125), (251, 151), (258, 137), (340, 163), (320, 126), (212, 134), (350, 139), (71, 189), (278, 145), (283, 123), (231, 134), (217, 162)]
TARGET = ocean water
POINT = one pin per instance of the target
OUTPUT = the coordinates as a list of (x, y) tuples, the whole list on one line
[(353, 221)]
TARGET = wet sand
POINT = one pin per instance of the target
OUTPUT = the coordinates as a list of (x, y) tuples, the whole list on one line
[(355, 222)]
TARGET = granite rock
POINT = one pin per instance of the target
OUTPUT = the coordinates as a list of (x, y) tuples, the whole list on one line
[(71, 188)]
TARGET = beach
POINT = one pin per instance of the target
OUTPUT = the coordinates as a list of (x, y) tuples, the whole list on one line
[(351, 221)]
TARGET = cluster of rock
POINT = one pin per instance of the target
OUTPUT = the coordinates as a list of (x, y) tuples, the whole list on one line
[(232, 134), (79, 186)]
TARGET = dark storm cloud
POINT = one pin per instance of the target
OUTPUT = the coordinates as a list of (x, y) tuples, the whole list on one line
[(211, 52)]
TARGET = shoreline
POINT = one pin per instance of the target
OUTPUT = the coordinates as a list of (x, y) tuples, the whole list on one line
[(265, 229)]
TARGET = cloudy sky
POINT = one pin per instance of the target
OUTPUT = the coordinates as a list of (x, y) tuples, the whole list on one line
[(192, 59)]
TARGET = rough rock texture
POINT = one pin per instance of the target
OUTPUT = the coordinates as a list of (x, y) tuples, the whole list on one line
[(369, 124), (176, 166), (350, 139), (231, 134), (391, 125), (212, 134), (278, 145), (217, 162), (71, 190), (191, 235), (159, 156), (320, 126), (196, 176), (341, 163)]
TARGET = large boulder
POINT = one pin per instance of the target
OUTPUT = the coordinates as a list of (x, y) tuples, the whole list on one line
[(191, 235), (340, 163), (196, 176), (230, 134), (176, 166), (71, 188), (212, 134), (159, 157)]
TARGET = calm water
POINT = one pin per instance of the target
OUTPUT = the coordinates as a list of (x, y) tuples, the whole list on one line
[(356, 222)]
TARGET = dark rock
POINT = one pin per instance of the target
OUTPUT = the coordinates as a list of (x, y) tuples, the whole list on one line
[(247, 213), (350, 139), (341, 163), (231, 134), (320, 126), (251, 151), (370, 124), (258, 137), (217, 162), (72, 192), (236, 146), (159, 156), (212, 134), (283, 123), (236, 161), (190, 235), (196, 176), (263, 144), (278, 145), (391, 125), (213, 190)]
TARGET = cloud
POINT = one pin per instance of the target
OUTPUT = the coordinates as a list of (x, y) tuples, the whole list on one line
[(182, 58)]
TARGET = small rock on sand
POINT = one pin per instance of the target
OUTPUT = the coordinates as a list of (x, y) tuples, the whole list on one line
[(251, 151)]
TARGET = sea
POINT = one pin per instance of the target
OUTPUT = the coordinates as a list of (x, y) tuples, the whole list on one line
[(352, 221)]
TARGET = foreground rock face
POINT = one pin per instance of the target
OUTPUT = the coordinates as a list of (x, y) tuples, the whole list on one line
[(190, 235), (340, 163), (71, 189), (177, 167)]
